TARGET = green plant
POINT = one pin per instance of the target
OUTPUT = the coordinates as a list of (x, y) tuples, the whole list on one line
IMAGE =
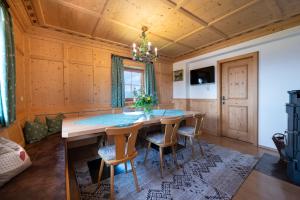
[(142, 100)]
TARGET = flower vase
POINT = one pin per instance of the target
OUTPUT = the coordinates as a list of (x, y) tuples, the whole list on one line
[(147, 113)]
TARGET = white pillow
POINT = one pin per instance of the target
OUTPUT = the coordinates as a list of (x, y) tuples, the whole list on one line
[(13, 160)]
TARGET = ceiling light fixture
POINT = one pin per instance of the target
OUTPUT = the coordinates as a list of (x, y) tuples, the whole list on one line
[(144, 52)]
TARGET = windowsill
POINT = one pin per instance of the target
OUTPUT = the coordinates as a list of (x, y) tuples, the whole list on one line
[(129, 102)]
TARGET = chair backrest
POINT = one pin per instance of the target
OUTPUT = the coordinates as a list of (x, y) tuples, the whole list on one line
[(124, 138), (171, 127), (199, 118)]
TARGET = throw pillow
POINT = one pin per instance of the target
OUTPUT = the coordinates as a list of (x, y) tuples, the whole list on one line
[(35, 131), (54, 124)]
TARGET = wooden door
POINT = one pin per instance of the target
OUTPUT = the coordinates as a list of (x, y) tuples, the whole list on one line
[(239, 98)]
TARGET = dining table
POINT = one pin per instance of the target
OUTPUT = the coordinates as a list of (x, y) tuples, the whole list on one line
[(77, 129), (92, 126)]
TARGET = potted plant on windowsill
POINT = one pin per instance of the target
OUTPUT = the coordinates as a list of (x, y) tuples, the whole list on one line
[(143, 101)]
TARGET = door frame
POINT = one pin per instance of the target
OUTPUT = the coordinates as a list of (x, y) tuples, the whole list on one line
[(254, 55)]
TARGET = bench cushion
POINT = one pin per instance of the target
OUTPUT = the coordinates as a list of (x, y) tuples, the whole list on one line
[(13, 160)]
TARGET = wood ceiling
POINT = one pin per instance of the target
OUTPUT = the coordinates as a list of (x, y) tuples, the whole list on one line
[(176, 27)]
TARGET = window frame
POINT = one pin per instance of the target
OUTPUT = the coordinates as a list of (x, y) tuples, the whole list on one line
[(134, 69)]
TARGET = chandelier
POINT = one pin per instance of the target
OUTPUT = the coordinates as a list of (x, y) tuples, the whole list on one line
[(145, 52)]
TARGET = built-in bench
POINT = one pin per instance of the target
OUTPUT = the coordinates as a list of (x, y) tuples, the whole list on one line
[(45, 178)]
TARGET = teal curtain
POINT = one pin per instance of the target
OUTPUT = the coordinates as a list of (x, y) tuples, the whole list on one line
[(7, 68), (150, 82), (117, 78)]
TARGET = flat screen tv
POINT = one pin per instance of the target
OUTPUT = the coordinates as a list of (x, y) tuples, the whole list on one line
[(202, 75)]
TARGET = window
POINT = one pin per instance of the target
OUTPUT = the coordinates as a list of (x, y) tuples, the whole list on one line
[(134, 80)]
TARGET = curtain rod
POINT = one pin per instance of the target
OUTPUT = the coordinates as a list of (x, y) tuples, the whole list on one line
[(124, 57), (128, 58)]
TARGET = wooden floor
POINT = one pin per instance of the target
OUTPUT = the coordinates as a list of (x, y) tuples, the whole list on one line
[(257, 186)]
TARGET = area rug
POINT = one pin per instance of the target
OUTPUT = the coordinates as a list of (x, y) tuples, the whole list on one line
[(217, 175)]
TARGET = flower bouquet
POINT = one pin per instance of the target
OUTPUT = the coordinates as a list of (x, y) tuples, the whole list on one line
[(143, 101)]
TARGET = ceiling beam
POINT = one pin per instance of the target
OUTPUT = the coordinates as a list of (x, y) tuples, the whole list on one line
[(247, 5), (99, 18), (172, 41), (193, 17), (210, 24)]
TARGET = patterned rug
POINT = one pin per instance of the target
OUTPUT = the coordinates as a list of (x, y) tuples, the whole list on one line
[(217, 175)]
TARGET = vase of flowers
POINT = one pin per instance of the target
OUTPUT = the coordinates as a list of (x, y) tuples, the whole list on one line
[(143, 101)]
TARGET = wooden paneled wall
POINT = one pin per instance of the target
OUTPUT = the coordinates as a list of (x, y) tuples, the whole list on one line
[(74, 76), (19, 39), (209, 107), (164, 79)]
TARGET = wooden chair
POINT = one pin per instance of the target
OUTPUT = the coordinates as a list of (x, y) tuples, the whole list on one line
[(122, 151), (193, 132), (166, 139)]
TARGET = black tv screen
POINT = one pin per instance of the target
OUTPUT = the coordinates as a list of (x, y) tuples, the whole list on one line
[(202, 75)]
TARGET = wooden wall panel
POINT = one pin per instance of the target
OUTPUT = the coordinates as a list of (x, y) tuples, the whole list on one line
[(81, 84), (209, 107), (46, 83), (163, 72), (101, 57), (180, 104), (102, 88), (80, 55), (20, 82), (19, 39), (47, 49)]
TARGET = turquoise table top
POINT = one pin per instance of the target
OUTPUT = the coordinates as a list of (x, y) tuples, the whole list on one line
[(125, 119)]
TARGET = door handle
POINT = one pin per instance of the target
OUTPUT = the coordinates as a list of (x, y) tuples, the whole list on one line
[(223, 100)]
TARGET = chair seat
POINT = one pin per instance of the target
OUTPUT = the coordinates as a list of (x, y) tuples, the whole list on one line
[(107, 152), (156, 138), (186, 131)]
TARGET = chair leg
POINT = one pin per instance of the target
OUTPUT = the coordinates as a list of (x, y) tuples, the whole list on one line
[(100, 172), (149, 145), (184, 141), (191, 141), (174, 155), (112, 189), (125, 163), (202, 152), (161, 161), (134, 176)]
